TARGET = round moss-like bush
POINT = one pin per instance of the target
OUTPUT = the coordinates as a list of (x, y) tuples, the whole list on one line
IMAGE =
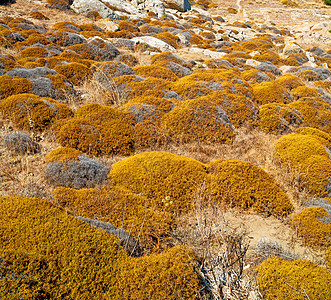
[(307, 157), (316, 112), (199, 121), (122, 208), (289, 81), (268, 92), (12, 86), (169, 275), (278, 118), (161, 175), (309, 225), (28, 111), (304, 91), (67, 167), (76, 73), (241, 184), (328, 257), (293, 280), (155, 71), (97, 130), (36, 51), (58, 255)]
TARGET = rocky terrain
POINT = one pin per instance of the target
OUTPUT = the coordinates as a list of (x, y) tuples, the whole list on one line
[(165, 149)]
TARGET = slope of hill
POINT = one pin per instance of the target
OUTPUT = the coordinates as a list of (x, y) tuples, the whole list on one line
[(195, 144)]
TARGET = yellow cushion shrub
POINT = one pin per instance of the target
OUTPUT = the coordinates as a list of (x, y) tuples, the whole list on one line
[(328, 257), (169, 275), (241, 184), (304, 91), (202, 82), (267, 56), (97, 130), (325, 84), (322, 136), (316, 112), (13, 86), (76, 73), (133, 86), (160, 175), (307, 157), (169, 38), (309, 226), (33, 52), (199, 121), (278, 118), (62, 154), (240, 109), (135, 214), (167, 57), (289, 81), (149, 134), (63, 256), (268, 92), (28, 111), (293, 280), (155, 71)]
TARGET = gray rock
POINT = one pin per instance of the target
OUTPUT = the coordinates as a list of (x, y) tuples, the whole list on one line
[(124, 5), (181, 5), (31, 73), (178, 69), (43, 87), (104, 72), (156, 6), (124, 44), (84, 6), (154, 42), (130, 244), (70, 38), (292, 48)]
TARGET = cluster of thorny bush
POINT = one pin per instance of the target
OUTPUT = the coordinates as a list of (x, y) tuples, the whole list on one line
[(105, 134)]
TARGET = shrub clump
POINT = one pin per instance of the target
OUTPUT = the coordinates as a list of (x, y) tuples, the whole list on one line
[(241, 184), (175, 266), (20, 143), (309, 224), (308, 158), (122, 208), (155, 71), (76, 73), (316, 112), (279, 118), (28, 111), (13, 86), (198, 121), (66, 167), (97, 130), (59, 4), (50, 249), (293, 280), (268, 92), (161, 174)]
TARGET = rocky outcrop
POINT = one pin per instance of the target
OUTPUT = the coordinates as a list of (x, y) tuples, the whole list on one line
[(181, 5), (84, 6)]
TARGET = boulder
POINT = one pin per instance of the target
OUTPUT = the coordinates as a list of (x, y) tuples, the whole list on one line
[(156, 6), (122, 6), (292, 48), (154, 42), (84, 6), (181, 5)]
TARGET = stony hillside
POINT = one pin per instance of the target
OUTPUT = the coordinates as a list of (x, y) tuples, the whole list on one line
[(165, 150)]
